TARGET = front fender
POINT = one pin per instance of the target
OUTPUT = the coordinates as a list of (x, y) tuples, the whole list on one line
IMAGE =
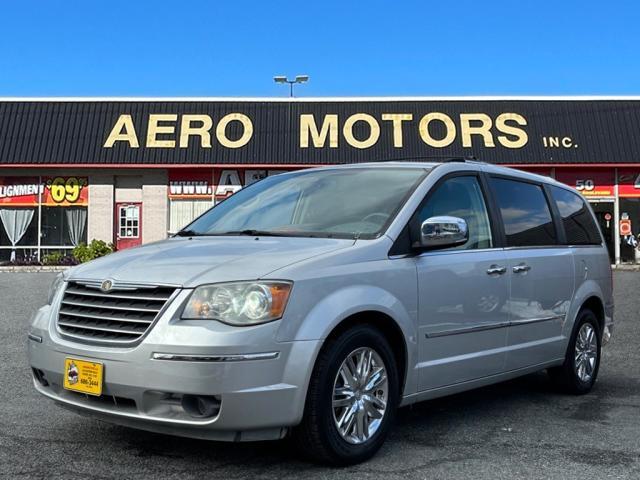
[(341, 304)]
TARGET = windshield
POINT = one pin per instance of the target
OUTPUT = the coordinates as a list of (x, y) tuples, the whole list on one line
[(340, 203)]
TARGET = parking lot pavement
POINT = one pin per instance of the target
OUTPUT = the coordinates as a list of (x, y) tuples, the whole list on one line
[(518, 429)]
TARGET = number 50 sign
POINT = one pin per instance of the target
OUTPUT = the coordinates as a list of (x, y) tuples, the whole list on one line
[(61, 191), (586, 185)]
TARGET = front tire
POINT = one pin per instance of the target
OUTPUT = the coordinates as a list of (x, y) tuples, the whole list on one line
[(579, 372), (352, 398)]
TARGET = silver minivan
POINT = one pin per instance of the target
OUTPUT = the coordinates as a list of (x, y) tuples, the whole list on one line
[(315, 303)]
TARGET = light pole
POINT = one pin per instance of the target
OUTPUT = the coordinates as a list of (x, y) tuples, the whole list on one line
[(298, 79)]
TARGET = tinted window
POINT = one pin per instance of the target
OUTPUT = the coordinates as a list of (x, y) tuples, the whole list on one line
[(525, 213), (461, 197), (578, 222)]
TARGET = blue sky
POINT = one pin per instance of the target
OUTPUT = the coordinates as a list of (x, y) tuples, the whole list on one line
[(233, 48)]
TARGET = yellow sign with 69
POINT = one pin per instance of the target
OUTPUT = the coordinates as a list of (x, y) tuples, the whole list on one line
[(62, 191)]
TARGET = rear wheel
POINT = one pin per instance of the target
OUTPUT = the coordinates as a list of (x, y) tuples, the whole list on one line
[(579, 371), (352, 398)]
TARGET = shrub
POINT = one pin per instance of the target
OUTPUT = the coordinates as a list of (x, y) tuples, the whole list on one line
[(59, 258), (96, 248), (53, 258)]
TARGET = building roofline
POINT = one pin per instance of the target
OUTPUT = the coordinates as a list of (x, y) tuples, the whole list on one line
[(488, 98), (280, 166)]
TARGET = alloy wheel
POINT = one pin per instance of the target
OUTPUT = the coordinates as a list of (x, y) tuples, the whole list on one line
[(586, 352), (360, 395)]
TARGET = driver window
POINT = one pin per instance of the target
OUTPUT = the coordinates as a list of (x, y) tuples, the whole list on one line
[(461, 197)]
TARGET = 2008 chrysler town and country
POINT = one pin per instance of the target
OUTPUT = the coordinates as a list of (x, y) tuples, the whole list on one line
[(314, 303)]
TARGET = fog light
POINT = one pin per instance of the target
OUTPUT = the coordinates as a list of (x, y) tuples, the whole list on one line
[(40, 377), (201, 406)]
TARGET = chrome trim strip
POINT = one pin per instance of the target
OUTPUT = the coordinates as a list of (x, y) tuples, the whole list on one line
[(119, 295), (98, 329), (118, 284), (492, 326), (34, 337), (179, 357), (458, 331), (106, 318), (528, 321), (111, 307), (105, 342)]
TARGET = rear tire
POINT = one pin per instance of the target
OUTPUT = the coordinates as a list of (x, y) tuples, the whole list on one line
[(344, 419), (579, 372)]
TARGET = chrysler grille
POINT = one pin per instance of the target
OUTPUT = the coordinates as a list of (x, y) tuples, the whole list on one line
[(120, 315)]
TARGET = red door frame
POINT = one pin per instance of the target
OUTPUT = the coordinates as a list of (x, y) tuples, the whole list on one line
[(126, 242)]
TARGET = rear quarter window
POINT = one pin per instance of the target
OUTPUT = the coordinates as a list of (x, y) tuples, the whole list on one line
[(579, 225), (526, 215)]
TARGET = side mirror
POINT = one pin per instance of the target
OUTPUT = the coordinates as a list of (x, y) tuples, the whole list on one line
[(443, 232)]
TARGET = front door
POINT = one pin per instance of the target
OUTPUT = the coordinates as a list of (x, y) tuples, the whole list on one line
[(462, 292), (128, 225)]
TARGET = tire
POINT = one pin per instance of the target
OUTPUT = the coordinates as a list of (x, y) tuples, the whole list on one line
[(573, 376), (318, 436)]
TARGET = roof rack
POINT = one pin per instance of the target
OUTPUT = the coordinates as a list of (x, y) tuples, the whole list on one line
[(437, 158)]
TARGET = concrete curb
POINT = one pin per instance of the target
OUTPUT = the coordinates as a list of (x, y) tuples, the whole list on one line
[(630, 267), (33, 268)]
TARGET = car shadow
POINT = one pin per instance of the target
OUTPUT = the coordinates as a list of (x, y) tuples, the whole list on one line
[(414, 423)]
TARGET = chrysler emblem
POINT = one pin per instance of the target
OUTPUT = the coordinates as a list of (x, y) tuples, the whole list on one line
[(106, 286)]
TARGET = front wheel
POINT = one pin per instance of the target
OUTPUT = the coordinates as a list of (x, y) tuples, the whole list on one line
[(579, 371), (352, 398)]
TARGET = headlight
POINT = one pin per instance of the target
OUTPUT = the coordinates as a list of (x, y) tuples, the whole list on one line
[(56, 285), (239, 303)]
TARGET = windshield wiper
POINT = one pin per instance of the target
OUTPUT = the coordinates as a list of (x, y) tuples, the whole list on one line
[(187, 233), (257, 233)]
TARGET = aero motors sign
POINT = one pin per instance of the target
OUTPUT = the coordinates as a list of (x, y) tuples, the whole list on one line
[(435, 129)]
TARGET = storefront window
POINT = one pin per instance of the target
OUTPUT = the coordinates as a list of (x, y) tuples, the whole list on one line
[(183, 212), (38, 213), (18, 227), (63, 226), (193, 191)]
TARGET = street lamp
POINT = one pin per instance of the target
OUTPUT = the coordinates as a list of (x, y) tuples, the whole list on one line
[(298, 79)]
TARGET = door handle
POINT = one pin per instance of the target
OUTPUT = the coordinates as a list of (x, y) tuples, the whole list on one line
[(496, 270), (521, 268)]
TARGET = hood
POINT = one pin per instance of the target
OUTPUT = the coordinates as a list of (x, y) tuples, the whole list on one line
[(195, 261)]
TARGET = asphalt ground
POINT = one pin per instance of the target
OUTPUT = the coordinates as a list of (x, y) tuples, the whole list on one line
[(518, 429)]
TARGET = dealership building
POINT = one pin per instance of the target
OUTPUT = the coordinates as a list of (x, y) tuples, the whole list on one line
[(130, 171)]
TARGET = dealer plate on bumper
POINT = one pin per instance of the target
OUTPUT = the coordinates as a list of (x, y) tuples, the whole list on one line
[(82, 376)]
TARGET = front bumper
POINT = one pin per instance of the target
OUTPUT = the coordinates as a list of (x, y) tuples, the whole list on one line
[(260, 384)]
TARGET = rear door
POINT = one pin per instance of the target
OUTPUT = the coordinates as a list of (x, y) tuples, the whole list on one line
[(462, 291), (541, 272)]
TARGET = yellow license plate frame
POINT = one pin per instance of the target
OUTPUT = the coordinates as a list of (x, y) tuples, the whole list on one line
[(83, 376)]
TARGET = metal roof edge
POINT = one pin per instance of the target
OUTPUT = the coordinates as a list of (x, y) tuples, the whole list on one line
[(331, 99)]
